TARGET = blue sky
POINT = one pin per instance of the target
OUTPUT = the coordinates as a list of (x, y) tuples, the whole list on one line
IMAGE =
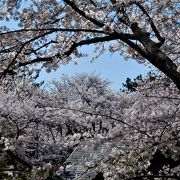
[(111, 67)]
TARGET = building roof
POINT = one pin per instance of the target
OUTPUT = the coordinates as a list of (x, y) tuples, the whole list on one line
[(76, 167)]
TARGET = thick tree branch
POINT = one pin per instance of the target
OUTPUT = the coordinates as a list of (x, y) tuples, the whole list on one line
[(114, 36), (156, 56), (137, 48), (89, 41), (37, 60)]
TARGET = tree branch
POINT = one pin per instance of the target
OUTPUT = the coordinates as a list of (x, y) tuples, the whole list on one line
[(16, 157), (93, 3), (54, 30), (154, 176), (156, 57), (126, 40), (73, 6), (70, 51), (114, 36), (37, 60), (106, 116), (161, 39), (89, 41), (3, 74)]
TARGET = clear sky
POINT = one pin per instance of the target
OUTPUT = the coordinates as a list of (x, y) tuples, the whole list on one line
[(111, 67)]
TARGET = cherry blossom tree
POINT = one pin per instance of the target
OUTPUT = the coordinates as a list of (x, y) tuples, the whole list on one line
[(49, 32), (145, 123), (33, 131), (152, 123), (40, 128), (91, 97)]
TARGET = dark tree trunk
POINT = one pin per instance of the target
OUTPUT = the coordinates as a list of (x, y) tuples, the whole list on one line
[(156, 57)]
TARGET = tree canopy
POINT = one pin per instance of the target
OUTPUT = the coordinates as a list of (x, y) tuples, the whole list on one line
[(50, 32), (39, 128)]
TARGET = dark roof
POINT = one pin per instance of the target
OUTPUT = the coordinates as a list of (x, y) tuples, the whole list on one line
[(75, 166)]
